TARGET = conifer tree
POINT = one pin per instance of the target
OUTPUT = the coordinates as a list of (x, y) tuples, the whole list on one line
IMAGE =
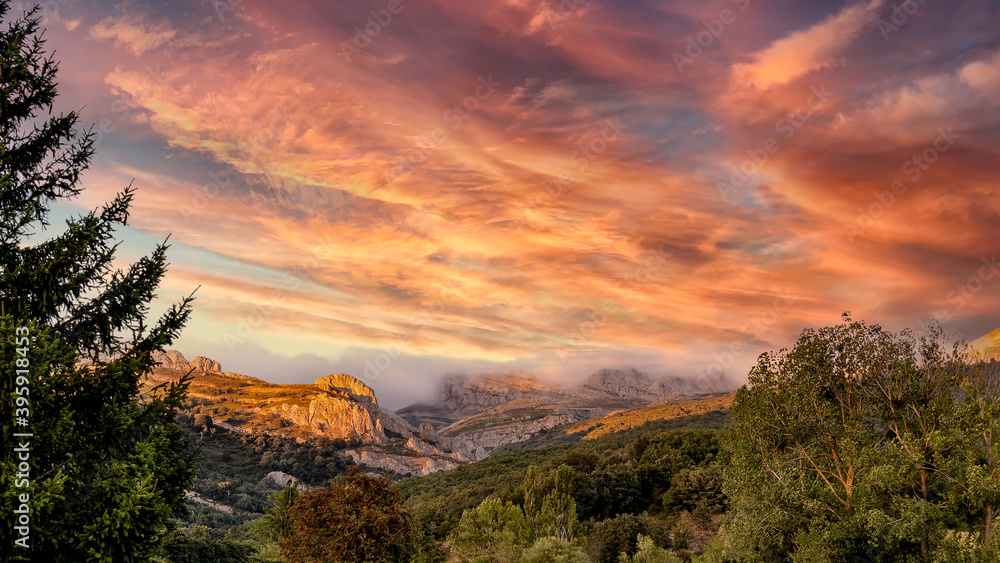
[(100, 468)]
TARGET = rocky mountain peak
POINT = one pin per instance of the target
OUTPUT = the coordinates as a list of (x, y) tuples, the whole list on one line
[(629, 383), (342, 383), (172, 359), (462, 393)]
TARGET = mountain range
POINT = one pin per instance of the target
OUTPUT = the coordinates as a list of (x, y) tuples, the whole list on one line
[(471, 417)]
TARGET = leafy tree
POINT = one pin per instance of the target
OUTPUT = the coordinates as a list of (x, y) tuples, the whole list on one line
[(422, 546), (195, 545), (647, 552), (551, 549), (844, 447), (697, 487), (557, 517), (494, 529), (277, 521), (608, 539), (975, 469), (357, 518), (107, 468)]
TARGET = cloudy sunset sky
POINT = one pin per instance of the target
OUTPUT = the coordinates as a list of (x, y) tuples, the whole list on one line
[(556, 187)]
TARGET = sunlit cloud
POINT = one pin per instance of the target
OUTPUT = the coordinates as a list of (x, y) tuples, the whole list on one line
[(807, 50), (137, 33), (489, 186)]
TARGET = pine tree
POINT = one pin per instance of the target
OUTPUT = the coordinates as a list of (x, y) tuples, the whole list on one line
[(106, 468)]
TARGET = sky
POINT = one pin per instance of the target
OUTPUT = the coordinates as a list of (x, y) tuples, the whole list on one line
[(400, 189)]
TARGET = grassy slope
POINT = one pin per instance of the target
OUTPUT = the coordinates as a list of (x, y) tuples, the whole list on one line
[(634, 418)]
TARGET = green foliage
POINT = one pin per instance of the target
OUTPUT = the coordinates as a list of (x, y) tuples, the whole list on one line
[(860, 443), (277, 521), (494, 530), (697, 487), (610, 538), (108, 469), (357, 518), (196, 545), (647, 552), (557, 517), (551, 549), (422, 546)]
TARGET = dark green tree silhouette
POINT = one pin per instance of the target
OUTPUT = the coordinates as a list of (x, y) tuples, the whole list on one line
[(107, 468)]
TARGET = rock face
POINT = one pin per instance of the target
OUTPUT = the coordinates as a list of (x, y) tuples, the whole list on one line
[(172, 359), (490, 411), (280, 478), (344, 384), (629, 384), (988, 345), (512, 422), (345, 408), (401, 464), (460, 393)]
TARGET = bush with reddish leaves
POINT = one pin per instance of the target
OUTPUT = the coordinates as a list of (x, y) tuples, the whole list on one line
[(357, 518)]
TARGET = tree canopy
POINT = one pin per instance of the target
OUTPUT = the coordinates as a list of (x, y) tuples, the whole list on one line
[(863, 443)]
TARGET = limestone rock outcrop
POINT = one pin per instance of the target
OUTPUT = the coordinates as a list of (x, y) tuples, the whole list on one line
[(345, 408), (629, 384), (172, 359), (401, 464), (343, 384), (462, 393)]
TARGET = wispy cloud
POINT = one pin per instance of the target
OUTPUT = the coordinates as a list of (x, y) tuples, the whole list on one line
[(518, 216)]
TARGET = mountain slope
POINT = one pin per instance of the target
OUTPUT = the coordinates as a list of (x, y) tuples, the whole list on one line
[(619, 421), (335, 407), (494, 410)]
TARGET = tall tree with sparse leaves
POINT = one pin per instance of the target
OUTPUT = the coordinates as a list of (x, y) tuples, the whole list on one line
[(105, 468)]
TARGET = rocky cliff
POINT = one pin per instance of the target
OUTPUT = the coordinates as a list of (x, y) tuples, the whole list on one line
[(335, 407), (172, 359), (464, 394)]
